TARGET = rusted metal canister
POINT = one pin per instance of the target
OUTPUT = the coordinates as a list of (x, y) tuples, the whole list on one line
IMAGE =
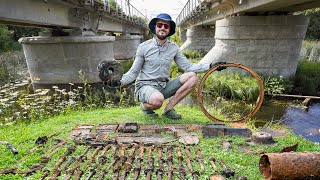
[(291, 165)]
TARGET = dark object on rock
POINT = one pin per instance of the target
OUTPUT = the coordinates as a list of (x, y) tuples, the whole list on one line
[(42, 140)]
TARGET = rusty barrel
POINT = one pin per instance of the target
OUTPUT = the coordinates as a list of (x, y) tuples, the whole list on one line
[(291, 165)]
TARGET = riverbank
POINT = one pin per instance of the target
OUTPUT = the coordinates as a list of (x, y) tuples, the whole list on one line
[(240, 156)]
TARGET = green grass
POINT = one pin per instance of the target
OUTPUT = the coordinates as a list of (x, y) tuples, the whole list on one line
[(23, 136)]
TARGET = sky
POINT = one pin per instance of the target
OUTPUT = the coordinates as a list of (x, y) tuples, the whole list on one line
[(154, 7)]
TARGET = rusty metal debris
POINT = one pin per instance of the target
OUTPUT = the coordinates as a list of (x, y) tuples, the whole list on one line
[(303, 165), (139, 161), (113, 161), (98, 157), (129, 163), (128, 127), (10, 147), (110, 69), (182, 171), (170, 162), (214, 130), (195, 174), (215, 169), (250, 71), (226, 172), (289, 148), (199, 158), (189, 139), (262, 138), (160, 162), (149, 170)]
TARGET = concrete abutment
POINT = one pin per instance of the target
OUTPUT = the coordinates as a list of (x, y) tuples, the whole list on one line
[(57, 60), (268, 44), (198, 38)]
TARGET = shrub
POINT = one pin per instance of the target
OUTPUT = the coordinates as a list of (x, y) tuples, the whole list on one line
[(307, 79)]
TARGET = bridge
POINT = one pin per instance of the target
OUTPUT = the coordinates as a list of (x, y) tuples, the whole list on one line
[(265, 35), (71, 43)]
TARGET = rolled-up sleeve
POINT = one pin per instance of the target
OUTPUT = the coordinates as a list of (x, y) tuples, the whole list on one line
[(186, 65), (135, 69)]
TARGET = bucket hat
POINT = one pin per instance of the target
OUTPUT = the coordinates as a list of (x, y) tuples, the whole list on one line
[(165, 17)]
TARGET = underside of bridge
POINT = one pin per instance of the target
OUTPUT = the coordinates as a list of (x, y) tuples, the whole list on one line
[(262, 34)]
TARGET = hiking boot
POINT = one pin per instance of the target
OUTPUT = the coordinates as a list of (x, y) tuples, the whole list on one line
[(172, 114), (148, 112)]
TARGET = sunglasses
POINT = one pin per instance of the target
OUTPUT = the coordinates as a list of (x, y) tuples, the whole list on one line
[(166, 26)]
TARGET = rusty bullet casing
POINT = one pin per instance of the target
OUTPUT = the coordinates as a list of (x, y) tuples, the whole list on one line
[(297, 165)]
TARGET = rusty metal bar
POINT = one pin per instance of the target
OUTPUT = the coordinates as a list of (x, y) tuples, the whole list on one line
[(129, 162), (149, 171), (182, 171), (92, 172), (195, 174), (199, 158), (139, 161), (102, 158), (56, 171), (302, 165), (160, 168), (56, 149), (46, 173), (117, 167), (79, 160), (115, 159), (170, 162), (91, 159), (68, 163)]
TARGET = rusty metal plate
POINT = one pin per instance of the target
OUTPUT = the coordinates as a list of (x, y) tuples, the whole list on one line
[(148, 127), (111, 128)]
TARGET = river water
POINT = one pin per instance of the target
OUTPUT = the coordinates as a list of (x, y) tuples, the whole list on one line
[(303, 122)]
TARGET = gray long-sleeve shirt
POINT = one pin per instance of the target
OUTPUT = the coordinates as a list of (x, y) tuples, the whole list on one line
[(153, 62)]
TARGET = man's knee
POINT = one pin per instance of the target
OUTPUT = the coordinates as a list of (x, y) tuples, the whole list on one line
[(156, 100), (190, 77)]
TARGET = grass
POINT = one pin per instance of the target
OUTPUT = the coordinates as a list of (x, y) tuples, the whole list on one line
[(23, 136)]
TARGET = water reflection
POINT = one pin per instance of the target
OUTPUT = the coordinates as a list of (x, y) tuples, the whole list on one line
[(302, 122)]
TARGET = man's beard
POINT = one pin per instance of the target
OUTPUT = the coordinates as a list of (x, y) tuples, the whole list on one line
[(162, 37)]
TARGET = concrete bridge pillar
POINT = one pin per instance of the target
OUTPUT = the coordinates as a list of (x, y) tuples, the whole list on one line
[(58, 60), (199, 38), (125, 47), (183, 35), (268, 44)]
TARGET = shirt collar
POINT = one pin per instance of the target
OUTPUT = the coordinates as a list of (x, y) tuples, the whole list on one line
[(157, 43)]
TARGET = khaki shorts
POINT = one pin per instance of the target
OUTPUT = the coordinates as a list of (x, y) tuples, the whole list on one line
[(143, 93)]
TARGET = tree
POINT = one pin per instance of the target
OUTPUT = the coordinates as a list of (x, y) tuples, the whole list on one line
[(313, 31), (6, 41)]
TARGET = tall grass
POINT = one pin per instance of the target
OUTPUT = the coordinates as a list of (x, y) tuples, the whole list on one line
[(310, 51), (307, 78)]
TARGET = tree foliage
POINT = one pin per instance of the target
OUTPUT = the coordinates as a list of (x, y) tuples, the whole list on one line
[(313, 32)]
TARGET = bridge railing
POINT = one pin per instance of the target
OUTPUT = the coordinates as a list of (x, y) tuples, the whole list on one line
[(192, 9), (121, 9)]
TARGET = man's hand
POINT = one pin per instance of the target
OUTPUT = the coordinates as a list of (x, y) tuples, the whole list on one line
[(113, 83), (220, 68)]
